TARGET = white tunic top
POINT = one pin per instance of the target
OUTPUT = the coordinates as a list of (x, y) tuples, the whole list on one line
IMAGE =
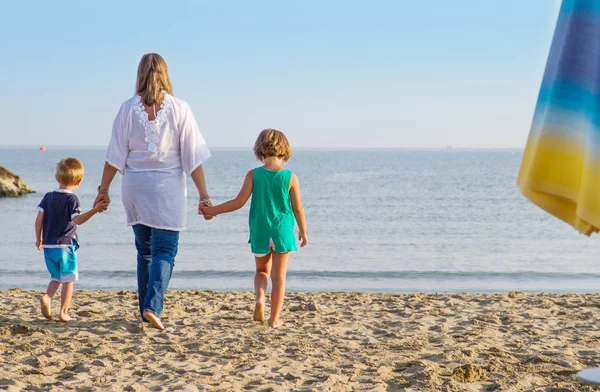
[(154, 157)]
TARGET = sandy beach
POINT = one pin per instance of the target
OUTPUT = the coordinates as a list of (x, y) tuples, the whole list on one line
[(330, 342)]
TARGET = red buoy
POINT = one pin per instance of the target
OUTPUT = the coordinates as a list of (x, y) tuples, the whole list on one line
[(43, 148)]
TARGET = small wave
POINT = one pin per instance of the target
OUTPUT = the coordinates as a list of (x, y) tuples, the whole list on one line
[(320, 275)]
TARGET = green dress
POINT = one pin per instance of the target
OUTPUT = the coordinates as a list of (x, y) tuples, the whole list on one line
[(271, 216)]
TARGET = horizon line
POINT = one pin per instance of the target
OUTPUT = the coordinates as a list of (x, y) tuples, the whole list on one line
[(249, 148)]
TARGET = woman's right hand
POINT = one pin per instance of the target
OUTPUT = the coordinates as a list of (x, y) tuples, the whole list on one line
[(102, 198), (108, 174)]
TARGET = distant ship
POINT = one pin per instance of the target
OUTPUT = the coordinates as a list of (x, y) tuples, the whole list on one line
[(42, 148)]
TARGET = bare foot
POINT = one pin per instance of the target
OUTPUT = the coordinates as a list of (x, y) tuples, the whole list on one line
[(45, 304), (155, 321), (277, 324), (64, 317), (259, 312)]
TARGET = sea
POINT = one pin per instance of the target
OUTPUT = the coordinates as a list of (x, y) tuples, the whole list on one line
[(390, 221)]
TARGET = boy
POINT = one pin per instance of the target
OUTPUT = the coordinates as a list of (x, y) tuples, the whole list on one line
[(56, 233)]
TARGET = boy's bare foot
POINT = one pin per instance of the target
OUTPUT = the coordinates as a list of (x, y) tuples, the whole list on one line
[(45, 302), (259, 312), (277, 324), (155, 321), (64, 317)]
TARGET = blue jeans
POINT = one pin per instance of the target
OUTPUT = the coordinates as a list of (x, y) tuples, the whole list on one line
[(156, 256)]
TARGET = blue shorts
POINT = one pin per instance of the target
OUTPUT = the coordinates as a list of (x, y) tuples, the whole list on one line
[(62, 263)]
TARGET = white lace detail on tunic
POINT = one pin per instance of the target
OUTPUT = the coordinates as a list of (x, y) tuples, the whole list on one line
[(154, 185), (152, 127)]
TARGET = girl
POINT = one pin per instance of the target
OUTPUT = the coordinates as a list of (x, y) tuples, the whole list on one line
[(275, 201)]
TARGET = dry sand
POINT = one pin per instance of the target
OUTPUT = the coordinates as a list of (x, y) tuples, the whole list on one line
[(330, 342)]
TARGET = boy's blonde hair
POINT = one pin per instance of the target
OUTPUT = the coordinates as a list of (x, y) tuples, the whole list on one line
[(69, 171), (152, 79), (272, 143)]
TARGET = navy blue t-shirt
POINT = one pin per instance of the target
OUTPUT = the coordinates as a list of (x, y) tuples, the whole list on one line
[(59, 208)]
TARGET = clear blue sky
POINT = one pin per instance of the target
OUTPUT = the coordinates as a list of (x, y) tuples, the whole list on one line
[(394, 73)]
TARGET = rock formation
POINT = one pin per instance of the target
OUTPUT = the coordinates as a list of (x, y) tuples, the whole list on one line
[(12, 185)]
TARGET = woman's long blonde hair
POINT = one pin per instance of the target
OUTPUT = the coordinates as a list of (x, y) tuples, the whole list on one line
[(152, 79)]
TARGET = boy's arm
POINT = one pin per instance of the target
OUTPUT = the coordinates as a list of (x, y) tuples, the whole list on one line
[(298, 209), (39, 222), (82, 218), (235, 204)]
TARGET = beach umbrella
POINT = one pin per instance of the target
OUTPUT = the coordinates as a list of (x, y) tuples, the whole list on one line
[(560, 171)]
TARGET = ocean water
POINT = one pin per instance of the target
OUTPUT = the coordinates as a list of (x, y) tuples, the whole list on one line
[(380, 221)]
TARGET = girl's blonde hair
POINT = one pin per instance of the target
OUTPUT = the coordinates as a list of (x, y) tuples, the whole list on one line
[(69, 171), (272, 143), (152, 79)]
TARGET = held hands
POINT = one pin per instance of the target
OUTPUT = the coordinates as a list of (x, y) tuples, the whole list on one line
[(303, 238), (100, 206), (103, 198), (204, 209)]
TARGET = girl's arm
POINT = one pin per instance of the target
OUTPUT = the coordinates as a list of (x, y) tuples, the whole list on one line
[(39, 221), (298, 209), (236, 203)]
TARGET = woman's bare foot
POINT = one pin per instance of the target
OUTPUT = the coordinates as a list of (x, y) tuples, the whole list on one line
[(45, 303), (64, 317), (154, 321), (276, 324), (259, 312)]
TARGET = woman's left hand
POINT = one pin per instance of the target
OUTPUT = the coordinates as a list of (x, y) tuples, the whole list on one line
[(202, 206)]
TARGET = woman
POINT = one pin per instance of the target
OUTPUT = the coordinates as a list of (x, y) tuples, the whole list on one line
[(155, 142)]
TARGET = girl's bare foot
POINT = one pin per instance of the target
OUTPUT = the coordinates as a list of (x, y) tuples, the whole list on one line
[(64, 317), (276, 324), (45, 302), (154, 321), (259, 312)]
